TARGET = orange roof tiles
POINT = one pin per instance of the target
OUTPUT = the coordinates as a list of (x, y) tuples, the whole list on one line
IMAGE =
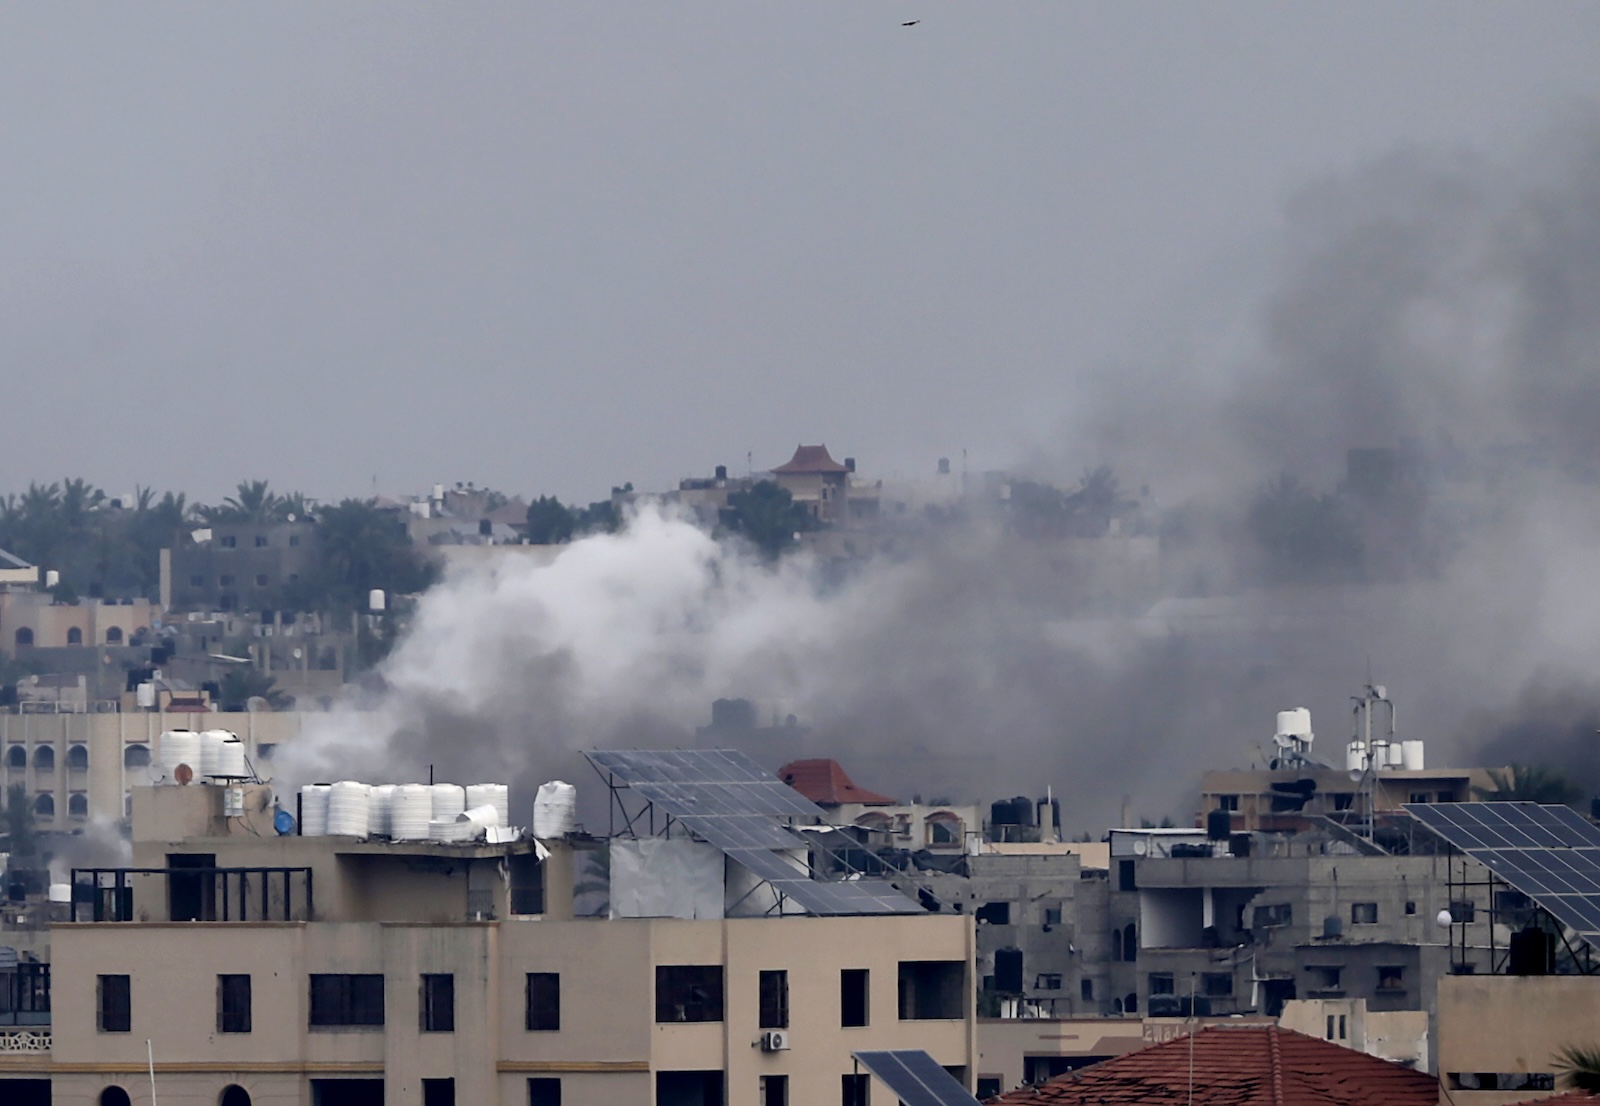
[(1260, 1065), (810, 458), (825, 783)]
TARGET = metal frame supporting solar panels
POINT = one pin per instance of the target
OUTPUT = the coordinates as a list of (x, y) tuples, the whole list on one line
[(915, 1077), (1549, 853), (730, 801)]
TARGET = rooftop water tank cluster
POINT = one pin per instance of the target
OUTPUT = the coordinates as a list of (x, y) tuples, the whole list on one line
[(209, 755), (405, 811)]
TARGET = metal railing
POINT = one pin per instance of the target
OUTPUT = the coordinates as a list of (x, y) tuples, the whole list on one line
[(206, 894)]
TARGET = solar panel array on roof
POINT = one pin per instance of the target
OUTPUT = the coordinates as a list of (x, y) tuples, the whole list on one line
[(729, 800), (1549, 853), (915, 1078)]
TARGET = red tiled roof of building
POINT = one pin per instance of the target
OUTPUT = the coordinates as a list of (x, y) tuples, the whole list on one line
[(1260, 1065), (825, 783), (809, 459)]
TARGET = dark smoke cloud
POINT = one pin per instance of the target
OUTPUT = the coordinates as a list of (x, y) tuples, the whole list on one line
[(1445, 307)]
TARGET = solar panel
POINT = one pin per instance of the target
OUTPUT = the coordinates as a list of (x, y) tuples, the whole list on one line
[(916, 1078), (1549, 853), (729, 800)]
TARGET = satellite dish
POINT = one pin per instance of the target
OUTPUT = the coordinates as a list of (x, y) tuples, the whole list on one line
[(1140, 846), (183, 773), (1355, 775), (1444, 919)]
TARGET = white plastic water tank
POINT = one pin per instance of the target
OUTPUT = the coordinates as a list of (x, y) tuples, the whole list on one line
[(1397, 754), (61, 892), (555, 810), (210, 746), (347, 809), (230, 759), (179, 747), (1295, 723), (1411, 755), (449, 799), (497, 795), (314, 809), (1355, 757), (410, 809), (475, 819), (379, 805), (448, 829)]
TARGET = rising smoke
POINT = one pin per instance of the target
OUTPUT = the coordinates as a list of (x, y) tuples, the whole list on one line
[(1442, 309)]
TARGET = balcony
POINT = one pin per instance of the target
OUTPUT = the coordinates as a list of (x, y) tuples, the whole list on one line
[(194, 894)]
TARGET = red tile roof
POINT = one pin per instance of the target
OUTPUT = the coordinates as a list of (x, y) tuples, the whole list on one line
[(808, 459), (1245, 1065), (825, 783)]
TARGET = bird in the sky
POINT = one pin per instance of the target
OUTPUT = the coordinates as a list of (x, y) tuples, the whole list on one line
[(913, 23)]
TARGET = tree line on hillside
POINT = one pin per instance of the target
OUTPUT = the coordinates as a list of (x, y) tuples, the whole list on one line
[(105, 548)]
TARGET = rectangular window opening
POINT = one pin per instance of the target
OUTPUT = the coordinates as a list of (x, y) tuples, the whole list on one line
[(853, 997), (438, 1092), (346, 1000), (233, 1004), (114, 1012), (932, 990), (774, 1000), (774, 1090), (544, 1002), (544, 1090), (439, 1004), (689, 993)]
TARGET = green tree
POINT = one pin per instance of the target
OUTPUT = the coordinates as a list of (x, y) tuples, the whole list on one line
[(252, 501), (17, 819), (1305, 537), (767, 517), (363, 548), (239, 685), (1579, 1067), (550, 522), (1529, 783)]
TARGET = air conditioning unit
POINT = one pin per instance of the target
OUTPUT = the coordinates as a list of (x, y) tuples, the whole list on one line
[(775, 1040)]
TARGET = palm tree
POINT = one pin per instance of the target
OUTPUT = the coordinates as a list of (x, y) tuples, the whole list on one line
[(1579, 1067), (1530, 783)]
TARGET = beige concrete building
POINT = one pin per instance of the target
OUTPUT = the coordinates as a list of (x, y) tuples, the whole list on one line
[(33, 620), (330, 970), (1499, 1035)]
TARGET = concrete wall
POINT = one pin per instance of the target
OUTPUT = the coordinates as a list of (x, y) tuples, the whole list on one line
[(1507, 1023)]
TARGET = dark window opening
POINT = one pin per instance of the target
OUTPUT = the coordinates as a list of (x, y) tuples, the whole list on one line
[(1047, 981), (439, 1005), (114, 1012), (1161, 983), (1363, 913), (1326, 977), (234, 1095), (527, 884), (438, 1092), (346, 1000), (23, 637), (989, 1086), (1216, 984), (1502, 1080), (994, 913), (1278, 914), (1344, 800), (1052, 915), (114, 1096), (1463, 911), (44, 758), (16, 757), (774, 1000), (1130, 1004), (1086, 990), (544, 1090), (233, 1004), (774, 1090), (1411, 908), (261, 541), (1130, 942), (689, 993), (78, 757), (853, 997), (1126, 880), (1391, 978), (347, 1092), (136, 756), (689, 1088), (853, 1090), (932, 990), (544, 1002), (191, 896), (74, 636)]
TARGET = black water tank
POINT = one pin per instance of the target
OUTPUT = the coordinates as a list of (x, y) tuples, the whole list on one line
[(1533, 952), (1008, 971), (1219, 824), (722, 472), (1239, 845)]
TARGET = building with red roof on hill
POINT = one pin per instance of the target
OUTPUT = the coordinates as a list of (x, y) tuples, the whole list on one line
[(825, 783), (1245, 1065)]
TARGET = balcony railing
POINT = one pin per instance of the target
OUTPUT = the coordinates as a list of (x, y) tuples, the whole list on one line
[(197, 894), (24, 1040)]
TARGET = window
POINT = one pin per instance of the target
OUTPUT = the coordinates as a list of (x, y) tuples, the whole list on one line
[(943, 828), (1463, 911), (1363, 913), (44, 759), (233, 1004), (1329, 1034), (527, 884), (16, 757), (544, 1002), (1421, 797), (1086, 990), (853, 1091), (1126, 880), (774, 1090), (266, 750), (1278, 914), (294, 539), (346, 1000), (114, 1012), (225, 580), (114, 635), (989, 1086), (114, 1096), (230, 541), (1228, 802), (1341, 1027), (1391, 978), (1047, 981), (24, 637), (1344, 800), (438, 1004), (261, 541), (689, 993), (853, 997), (197, 581), (1326, 977), (994, 913), (1052, 915), (78, 757), (1131, 1003), (1411, 908), (1161, 983), (234, 1095), (438, 1092), (1216, 984), (1130, 942), (78, 805), (74, 636), (932, 990), (261, 579), (544, 1091), (774, 1000), (44, 806)]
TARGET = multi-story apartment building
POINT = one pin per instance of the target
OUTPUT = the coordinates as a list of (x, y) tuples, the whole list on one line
[(240, 566), (240, 965)]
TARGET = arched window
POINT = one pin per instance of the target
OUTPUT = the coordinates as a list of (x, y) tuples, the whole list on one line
[(1116, 1006), (74, 636), (24, 637), (78, 805), (44, 806), (1130, 942), (942, 828), (78, 757), (1131, 1004), (16, 757), (234, 1095), (874, 822), (115, 1096), (136, 756), (114, 636), (44, 759)]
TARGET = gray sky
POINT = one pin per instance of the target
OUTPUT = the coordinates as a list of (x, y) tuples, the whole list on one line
[(550, 247)]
